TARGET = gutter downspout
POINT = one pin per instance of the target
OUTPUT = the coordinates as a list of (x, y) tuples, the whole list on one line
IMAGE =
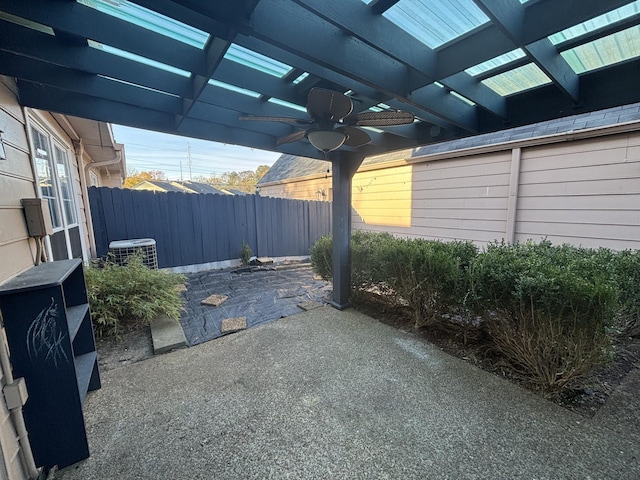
[(85, 198), (16, 415), (78, 147)]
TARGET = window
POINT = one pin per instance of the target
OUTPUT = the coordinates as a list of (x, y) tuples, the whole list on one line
[(46, 179), (66, 189), (55, 183)]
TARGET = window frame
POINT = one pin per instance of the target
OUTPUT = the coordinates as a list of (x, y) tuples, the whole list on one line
[(56, 145)]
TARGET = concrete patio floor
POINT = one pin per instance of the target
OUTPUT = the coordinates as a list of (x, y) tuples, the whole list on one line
[(330, 394)]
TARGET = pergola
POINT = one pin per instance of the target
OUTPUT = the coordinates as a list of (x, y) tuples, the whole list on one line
[(194, 67)]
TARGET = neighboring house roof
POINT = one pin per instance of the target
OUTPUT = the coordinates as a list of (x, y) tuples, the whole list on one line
[(178, 186), (291, 166), (233, 191), (199, 187), (158, 185)]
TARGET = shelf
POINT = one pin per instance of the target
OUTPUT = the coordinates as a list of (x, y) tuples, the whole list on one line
[(75, 316), (84, 370), (45, 275), (47, 306)]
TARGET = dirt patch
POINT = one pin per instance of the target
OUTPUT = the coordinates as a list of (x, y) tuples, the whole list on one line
[(128, 348), (584, 397)]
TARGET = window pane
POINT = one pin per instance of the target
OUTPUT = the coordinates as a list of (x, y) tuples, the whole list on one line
[(43, 160), (64, 179)]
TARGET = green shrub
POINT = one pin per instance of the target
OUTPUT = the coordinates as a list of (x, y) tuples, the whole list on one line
[(127, 297), (432, 276), (368, 268), (321, 254), (547, 308), (245, 253), (626, 272), (559, 281)]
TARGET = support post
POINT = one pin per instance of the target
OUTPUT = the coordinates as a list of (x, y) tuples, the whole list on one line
[(344, 166)]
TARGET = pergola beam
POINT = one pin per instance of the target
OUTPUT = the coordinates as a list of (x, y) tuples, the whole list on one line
[(34, 44), (87, 22), (378, 32), (547, 57), (324, 44), (542, 18), (249, 78), (381, 6), (509, 16), (348, 83), (95, 108), (214, 53)]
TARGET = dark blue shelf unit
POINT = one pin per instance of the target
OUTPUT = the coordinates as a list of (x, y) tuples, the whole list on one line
[(47, 320)]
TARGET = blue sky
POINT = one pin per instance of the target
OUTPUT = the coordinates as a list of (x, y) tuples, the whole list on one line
[(147, 150)]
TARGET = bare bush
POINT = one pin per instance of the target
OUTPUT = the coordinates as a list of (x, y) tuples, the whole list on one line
[(547, 353)]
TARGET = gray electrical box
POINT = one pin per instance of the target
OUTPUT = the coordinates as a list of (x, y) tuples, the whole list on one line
[(36, 213)]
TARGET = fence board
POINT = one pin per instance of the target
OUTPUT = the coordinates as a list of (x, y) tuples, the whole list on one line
[(190, 229)]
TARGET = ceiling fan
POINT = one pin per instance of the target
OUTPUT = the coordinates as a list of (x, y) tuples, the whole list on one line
[(331, 124)]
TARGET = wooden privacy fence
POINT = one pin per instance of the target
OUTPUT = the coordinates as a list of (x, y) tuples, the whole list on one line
[(190, 229)]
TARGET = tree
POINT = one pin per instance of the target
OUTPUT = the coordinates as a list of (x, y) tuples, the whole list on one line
[(261, 171), (134, 178), (244, 181)]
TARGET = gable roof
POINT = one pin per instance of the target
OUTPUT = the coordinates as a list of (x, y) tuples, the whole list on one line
[(161, 184), (180, 186), (200, 187), (291, 166)]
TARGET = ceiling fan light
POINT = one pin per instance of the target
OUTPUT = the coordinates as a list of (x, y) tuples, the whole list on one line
[(326, 140)]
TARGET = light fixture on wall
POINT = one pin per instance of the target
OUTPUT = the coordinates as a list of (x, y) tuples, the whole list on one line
[(326, 140), (3, 154)]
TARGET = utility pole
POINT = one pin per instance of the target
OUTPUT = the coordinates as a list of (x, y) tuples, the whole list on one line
[(189, 160)]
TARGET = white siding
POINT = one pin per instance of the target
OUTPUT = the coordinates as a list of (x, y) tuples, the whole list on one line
[(306, 189), (584, 193), (16, 250), (458, 199)]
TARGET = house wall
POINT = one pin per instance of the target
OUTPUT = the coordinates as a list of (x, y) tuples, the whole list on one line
[(311, 188), (106, 180), (584, 192), (17, 252)]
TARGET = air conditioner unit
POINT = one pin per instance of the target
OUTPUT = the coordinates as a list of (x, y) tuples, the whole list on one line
[(120, 250)]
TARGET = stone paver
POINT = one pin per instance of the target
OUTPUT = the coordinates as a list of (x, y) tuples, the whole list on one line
[(232, 325), (259, 294), (214, 300), (166, 335)]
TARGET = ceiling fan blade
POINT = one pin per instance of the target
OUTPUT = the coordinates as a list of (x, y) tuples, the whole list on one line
[(323, 103), (293, 137), (297, 121), (355, 136), (380, 119)]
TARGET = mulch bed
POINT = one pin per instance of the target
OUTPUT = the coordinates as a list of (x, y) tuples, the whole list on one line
[(584, 397)]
